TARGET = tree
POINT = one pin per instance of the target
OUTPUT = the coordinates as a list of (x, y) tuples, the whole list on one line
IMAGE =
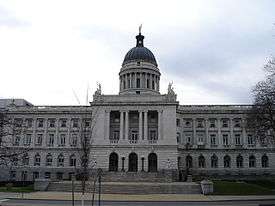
[(11, 130), (261, 116)]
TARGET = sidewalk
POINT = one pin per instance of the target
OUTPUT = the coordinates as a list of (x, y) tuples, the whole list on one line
[(121, 197)]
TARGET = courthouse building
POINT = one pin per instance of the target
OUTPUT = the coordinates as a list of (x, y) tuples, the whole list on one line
[(137, 133)]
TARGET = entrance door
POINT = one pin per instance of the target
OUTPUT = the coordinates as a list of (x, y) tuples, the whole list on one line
[(133, 162), (113, 162), (152, 162)]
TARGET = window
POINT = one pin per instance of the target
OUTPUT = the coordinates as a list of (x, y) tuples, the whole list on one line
[(153, 84), (237, 139), (63, 123), (200, 123), (188, 138), (213, 140), (50, 141), (237, 123), (38, 140), (148, 83), (227, 161), (225, 139), (27, 139), (225, 123), (212, 123), (153, 135), (25, 159), (35, 175), (189, 161), (200, 138), (62, 140), (52, 123), (188, 123), (60, 161), (201, 161), (75, 123), (265, 163), (13, 175), (138, 83), (73, 141), (178, 122), (214, 161), (239, 161), (116, 135), (87, 123), (134, 135), (49, 160), (40, 123), (18, 122), (178, 137), (37, 160), (72, 161), (29, 123), (16, 141), (252, 161), (47, 175), (250, 140)]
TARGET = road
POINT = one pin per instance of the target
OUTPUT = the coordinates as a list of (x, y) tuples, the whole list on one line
[(24, 202)]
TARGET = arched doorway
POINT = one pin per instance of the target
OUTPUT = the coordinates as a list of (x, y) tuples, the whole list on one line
[(113, 162), (152, 162), (133, 162)]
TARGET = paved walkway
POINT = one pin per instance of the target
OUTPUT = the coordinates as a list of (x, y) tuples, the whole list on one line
[(121, 197)]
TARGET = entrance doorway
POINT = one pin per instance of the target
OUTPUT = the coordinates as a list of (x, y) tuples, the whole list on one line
[(113, 162), (133, 162), (152, 162)]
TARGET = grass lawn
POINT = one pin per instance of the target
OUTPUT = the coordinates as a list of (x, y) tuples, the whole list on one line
[(244, 188), (28, 188)]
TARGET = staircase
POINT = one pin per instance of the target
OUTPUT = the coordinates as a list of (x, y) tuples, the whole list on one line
[(133, 188)]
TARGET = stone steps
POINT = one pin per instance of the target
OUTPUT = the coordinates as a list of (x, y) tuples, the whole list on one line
[(130, 187)]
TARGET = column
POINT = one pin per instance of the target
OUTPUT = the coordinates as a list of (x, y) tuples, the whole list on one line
[(244, 136), (232, 142), (195, 142), (121, 126), (208, 140), (146, 125), (126, 125), (220, 141), (159, 124), (108, 125), (135, 80), (130, 77), (140, 125), (145, 79)]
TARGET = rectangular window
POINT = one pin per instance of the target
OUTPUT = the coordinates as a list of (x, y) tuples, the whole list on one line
[(212, 123), (62, 140), (29, 123), (225, 123), (40, 123), (237, 123), (250, 140), (38, 140), (213, 140), (200, 123), (178, 137), (27, 139), (138, 82), (52, 123), (75, 123), (16, 141), (73, 140), (18, 122), (63, 123), (237, 139), (116, 135), (50, 141), (225, 139)]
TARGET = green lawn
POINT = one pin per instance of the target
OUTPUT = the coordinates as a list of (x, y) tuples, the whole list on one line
[(243, 188), (28, 188)]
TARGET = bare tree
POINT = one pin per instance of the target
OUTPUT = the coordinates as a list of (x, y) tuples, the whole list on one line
[(11, 131), (261, 117)]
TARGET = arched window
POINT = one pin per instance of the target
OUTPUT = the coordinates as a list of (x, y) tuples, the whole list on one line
[(133, 162), (252, 161), (152, 162), (37, 160), (113, 162), (227, 161), (265, 161), (189, 161), (72, 160), (239, 161), (60, 160), (214, 161), (25, 159), (201, 161), (49, 160)]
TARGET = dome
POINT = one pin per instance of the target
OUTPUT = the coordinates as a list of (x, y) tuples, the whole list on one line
[(139, 53)]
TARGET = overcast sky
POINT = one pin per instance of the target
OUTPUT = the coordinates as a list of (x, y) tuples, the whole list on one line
[(213, 51)]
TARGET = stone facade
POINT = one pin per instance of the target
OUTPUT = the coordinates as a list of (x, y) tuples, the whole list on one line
[(138, 131)]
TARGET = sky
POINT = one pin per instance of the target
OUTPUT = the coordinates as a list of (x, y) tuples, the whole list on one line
[(54, 52)]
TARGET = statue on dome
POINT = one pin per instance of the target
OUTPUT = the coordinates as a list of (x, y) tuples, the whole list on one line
[(171, 95)]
